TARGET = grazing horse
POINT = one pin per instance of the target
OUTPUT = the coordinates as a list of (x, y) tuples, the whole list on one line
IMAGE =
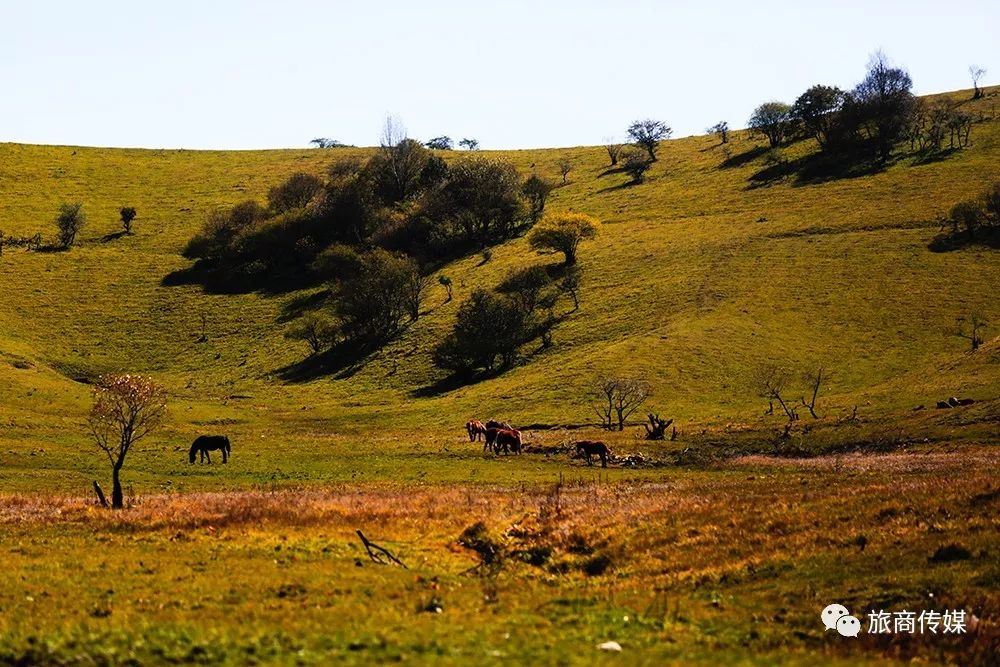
[(493, 423), (206, 443), (588, 448), (476, 429), (509, 440)]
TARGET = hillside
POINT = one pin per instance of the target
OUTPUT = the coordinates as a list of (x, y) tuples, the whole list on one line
[(699, 275)]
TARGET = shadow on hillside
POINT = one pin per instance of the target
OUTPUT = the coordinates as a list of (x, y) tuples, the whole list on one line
[(301, 304), (215, 278), (621, 186), (114, 236), (341, 361), (951, 241), (744, 158), (815, 168)]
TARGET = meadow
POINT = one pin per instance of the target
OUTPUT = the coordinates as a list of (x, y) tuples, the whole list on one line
[(722, 548)]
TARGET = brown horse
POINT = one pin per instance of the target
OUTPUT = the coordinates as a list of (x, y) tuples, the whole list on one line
[(588, 448), (509, 440), (475, 429)]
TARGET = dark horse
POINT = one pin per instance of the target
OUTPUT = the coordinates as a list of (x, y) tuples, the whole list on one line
[(206, 443)]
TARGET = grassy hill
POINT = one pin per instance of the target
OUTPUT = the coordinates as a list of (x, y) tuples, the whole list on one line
[(722, 554), (699, 275)]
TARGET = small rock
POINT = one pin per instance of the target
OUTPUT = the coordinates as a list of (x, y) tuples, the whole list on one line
[(610, 646)]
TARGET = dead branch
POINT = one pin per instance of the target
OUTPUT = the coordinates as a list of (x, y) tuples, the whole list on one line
[(372, 548)]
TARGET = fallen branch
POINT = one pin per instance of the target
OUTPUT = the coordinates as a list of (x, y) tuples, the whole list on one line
[(372, 548)]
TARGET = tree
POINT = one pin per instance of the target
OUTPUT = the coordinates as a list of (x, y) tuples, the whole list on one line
[(816, 109), (416, 287), (297, 191), (374, 297), (613, 148), (770, 381), (126, 409), (977, 73), (883, 104), (970, 328), (616, 398), (127, 214), (399, 166), (536, 190), (324, 142), (721, 130), (445, 281), (69, 222), (635, 164), (488, 327), (648, 134), (482, 196), (469, 144), (565, 166), (563, 232), (570, 284), (772, 119), (315, 329), (442, 143)]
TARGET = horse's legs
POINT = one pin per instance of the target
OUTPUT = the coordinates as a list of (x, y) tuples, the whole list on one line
[(604, 459), (225, 458), (208, 456), (202, 458), (590, 461)]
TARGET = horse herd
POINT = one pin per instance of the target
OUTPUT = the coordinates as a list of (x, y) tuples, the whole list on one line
[(500, 436)]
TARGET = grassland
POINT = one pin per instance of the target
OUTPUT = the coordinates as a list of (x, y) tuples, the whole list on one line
[(698, 276)]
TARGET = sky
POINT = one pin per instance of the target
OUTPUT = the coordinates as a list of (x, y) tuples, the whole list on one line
[(512, 74)]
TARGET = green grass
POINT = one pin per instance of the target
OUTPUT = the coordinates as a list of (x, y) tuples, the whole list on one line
[(696, 278)]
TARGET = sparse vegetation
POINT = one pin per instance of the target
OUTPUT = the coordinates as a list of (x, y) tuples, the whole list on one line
[(647, 134), (127, 215)]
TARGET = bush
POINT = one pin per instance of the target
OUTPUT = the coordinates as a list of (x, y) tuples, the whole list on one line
[(69, 222), (636, 165), (563, 232), (127, 214), (316, 330), (214, 239), (773, 120), (536, 190), (489, 327), (297, 191), (373, 301), (483, 197)]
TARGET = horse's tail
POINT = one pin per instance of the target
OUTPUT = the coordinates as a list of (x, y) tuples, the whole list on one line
[(194, 450)]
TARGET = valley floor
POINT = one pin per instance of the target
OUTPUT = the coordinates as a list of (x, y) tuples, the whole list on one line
[(727, 563)]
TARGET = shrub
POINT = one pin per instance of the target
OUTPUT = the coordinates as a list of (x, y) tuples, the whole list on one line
[(563, 232), (489, 327), (536, 190), (315, 329), (773, 120), (372, 302), (69, 222), (636, 165), (297, 191), (127, 214)]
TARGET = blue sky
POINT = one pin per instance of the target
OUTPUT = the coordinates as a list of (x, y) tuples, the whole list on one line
[(222, 74)]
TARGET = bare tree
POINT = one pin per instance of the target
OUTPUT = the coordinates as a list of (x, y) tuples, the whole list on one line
[(126, 409), (814, 379), (770, 380), (971, 328), (393, 132), (613, 148), (977, 73), (618, 398), (565, 166)]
